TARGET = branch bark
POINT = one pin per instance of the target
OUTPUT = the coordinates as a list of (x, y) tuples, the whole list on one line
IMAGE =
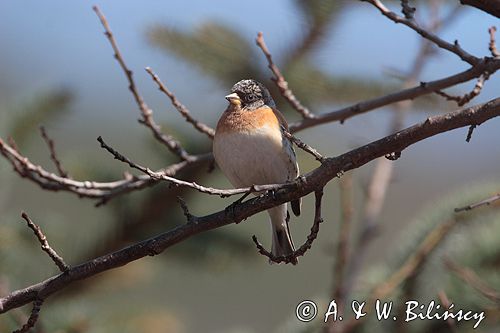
[(485, 65), (489, 6), (311, 182)]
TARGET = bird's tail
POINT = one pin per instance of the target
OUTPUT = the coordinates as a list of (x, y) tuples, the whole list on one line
[(282, 240)]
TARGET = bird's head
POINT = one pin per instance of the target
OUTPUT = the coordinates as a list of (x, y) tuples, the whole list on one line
[(250, 95)]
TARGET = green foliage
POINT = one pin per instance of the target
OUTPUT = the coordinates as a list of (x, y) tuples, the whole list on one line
[(42, 108), (212, 47), (474, 242)]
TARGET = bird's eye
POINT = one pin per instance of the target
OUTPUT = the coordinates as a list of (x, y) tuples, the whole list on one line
[(250, 98)]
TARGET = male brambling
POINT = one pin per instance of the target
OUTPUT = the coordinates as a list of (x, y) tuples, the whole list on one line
[(250, 148)]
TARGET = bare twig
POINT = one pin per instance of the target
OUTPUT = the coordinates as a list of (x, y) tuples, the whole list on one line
[(469, 132), (492, 45), (53, 155), (189, 217), (311, 182), (147, 114), (57, 259), (466, 98), (424, 88), (198, 125), (485, 202), (471, 278), (305, 147), (280, 81), (292, 258), (104, 191), (453, 48), (35, 312), (193, 185), (407, 10)]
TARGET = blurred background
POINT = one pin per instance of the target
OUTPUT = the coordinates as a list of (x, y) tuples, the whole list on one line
[(57, 69)]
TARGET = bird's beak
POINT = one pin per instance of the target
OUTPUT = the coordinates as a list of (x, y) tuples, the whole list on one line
[(233, 98)]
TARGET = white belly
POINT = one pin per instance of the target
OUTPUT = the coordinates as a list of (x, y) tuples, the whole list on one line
[(255, 158)]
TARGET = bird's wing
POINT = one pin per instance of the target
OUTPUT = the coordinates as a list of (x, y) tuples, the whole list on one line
[(290, 152)]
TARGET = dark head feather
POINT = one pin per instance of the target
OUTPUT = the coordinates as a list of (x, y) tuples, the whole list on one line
[(253, 94)]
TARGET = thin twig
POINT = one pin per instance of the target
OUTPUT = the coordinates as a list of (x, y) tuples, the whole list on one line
[(35, 312), (492, 45), (453, 48), (178, 182), (466, 98), (292, 258), (424, 88), (473, 280), (53, 154), (147, 114), (469, 133), (407, 10), (56, 258), (104, 191), (183, 110), (485, 202), (305, 147), (280, 81), (190, 217)]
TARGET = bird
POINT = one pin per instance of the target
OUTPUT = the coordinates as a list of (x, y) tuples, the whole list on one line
[(250, 148)]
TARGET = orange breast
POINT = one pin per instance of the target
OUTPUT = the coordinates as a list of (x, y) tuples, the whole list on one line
[(247, 121)]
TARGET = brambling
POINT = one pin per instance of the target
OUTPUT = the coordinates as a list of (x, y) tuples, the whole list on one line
[(250, 148)]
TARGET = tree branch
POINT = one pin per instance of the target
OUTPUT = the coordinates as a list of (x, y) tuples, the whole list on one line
[(305, 147), (35, 312), (485, 202), (453, 48), (492, 45), (292, 258), (486, 65), (53, 154), (311, 182), (104, 191), (57, 259), (147, 114), (178, 182), (466, 98), (489, 6), (199, 126), (280, 81)]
